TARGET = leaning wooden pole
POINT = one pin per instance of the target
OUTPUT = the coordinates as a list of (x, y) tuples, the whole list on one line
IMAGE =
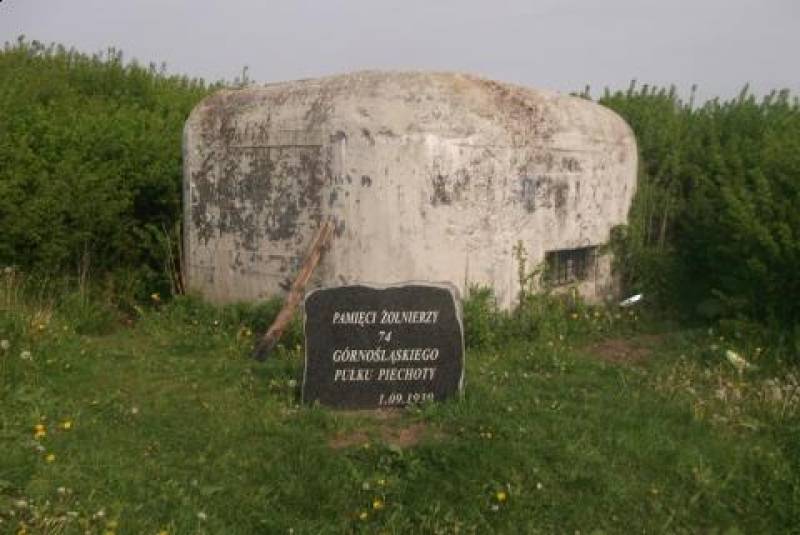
[(273, 334)]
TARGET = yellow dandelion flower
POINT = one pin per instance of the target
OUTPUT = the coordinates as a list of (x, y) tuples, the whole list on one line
[(363, 515), (377, 504), (501, 496), (51, 458), (40, 433), (381, 482), (66, 425), (39, 427)]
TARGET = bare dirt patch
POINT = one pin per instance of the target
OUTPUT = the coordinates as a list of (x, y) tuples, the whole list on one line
[(348, 440), (386, 426), (404, 437), (625, 350)]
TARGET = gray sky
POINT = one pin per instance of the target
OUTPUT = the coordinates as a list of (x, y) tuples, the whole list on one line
[(558, 44)]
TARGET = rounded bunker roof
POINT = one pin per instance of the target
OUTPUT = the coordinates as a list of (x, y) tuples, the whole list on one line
[(465, 107)]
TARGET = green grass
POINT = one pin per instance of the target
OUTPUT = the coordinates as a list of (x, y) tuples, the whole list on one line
[(174, 428)]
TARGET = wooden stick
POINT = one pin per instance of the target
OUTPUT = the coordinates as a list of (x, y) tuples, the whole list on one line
[(284, 317)]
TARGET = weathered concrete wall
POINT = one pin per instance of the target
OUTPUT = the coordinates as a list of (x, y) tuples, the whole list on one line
[(428, 176)]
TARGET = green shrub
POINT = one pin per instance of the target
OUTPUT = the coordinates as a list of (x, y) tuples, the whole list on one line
[(90, 161), (714, 230)]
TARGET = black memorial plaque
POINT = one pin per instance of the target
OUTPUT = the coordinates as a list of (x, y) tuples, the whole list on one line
[(372, 347)]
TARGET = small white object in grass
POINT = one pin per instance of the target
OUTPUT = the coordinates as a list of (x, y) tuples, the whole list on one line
[(135, 410), (632, 300), (202, 516), (292, 383), (5, 345), (26, 355), (737, 361)]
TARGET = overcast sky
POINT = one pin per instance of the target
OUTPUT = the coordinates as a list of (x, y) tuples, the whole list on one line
[(558, 44)]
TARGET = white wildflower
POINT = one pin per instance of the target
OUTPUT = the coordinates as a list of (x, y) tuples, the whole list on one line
[(5, 345), (202, 516), (26, 355)]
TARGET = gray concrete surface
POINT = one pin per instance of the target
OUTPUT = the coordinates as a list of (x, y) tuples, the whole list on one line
[(428, 176)]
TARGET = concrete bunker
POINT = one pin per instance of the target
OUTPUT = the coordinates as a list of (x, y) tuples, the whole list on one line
[(428, 176)]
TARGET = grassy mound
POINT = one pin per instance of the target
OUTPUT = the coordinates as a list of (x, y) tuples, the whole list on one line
[(599, 423)]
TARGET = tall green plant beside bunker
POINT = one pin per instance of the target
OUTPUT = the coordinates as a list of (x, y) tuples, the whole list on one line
[(715, 228), (741, 235), (90, 160), (645, 247)]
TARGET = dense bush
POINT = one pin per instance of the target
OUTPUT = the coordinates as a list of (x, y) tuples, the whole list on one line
[(715, 225), (90, 161)]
